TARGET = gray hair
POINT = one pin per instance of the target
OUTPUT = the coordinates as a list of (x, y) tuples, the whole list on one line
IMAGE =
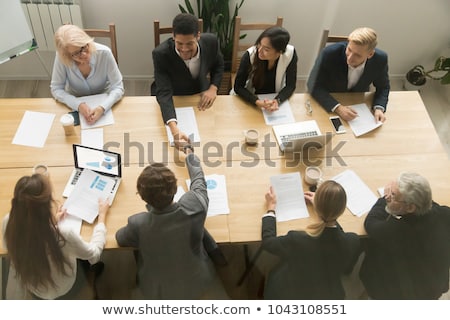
[(416, 190)]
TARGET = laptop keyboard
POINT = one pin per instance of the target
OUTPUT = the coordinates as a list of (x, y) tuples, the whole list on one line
[(76, 176), (294, 136)]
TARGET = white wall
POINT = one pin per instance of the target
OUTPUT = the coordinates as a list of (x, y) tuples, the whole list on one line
[(411, 31)]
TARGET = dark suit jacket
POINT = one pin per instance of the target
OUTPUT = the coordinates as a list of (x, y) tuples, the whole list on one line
[(172, 261), (309, 267), (407, 258), (172, 76), (330, 74)]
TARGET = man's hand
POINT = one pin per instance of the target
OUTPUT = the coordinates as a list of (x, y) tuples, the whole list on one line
[(271, 199), (207, 98), (345, 112), (379, 115)]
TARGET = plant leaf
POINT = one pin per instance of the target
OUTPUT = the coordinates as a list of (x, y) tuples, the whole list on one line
[(446, 79)]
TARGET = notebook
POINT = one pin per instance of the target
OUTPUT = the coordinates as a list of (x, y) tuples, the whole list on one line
[(295, 137), (101, 161)]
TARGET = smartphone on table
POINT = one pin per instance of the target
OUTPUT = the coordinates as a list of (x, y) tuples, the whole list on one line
[(337, 124)]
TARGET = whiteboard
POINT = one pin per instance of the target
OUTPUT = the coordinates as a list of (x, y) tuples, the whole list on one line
[(16, 37)]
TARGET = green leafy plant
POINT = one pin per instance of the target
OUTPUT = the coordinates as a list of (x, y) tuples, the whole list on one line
[(441, 71), (218, 19)]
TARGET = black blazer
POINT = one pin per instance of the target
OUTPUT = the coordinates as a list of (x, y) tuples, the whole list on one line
[(172, 76), (407, 258), (330, 74), (309, 267)]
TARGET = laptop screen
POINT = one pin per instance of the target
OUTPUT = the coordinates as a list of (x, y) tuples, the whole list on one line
[(98, 160)]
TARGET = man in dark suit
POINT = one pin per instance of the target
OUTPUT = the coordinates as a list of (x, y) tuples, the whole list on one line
[(182, 65), (408, 245), (351, 67)]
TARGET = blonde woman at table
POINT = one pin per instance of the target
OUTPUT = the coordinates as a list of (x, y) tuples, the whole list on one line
[(45, 258), (270, 66), (83, 67), (312, 262)]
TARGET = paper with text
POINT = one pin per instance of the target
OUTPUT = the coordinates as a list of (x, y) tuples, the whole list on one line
[(90, 187), (187, 123), (360, 198), (364, 122), (290, 198), (281, 116), (217, 194), (94, 101), (33, 129)]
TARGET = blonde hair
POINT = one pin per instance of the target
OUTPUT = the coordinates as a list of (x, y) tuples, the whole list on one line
[(71, 35), (364, 37), (329, 202)]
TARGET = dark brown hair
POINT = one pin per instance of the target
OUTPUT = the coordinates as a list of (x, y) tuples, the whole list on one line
[(157, 185), (32, 237)]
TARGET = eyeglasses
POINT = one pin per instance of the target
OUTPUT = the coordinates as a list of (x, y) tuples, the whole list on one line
[(78, 53)]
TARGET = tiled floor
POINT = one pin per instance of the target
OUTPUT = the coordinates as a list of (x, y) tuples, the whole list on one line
[(122, 261)]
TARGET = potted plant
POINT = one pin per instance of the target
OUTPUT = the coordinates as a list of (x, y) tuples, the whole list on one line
[(418, 76), (217, 19)]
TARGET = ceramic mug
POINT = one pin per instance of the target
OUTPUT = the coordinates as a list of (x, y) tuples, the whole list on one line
[(313, 175), (251, 137)]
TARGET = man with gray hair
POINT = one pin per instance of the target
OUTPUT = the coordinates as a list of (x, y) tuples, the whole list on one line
[(351, 66), (408, 248)]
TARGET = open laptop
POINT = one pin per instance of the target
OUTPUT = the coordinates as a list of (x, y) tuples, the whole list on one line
[(298, 136), (101, 161)]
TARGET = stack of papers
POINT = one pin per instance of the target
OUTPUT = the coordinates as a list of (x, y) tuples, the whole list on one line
[(90, 187), (364, 122), (360, 199), (217, 194), (187, 123), (290, 198)]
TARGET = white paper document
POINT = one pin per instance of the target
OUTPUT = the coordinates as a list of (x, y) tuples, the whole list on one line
[(92, 138), (364, 122), (33, 129), (290, 198), (93, 102), (217, 194), (360, 198), (187, 123), (90, 187), (281, 116)]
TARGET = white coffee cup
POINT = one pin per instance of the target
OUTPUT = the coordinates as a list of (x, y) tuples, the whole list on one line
[(41, 169), (67, 121), (313, 175), (251, 137)]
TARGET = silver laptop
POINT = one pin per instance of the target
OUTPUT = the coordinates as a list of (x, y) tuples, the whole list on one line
[(298, 136), (101, 161)]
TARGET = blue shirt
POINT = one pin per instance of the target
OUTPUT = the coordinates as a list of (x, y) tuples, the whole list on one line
[(69, 86)]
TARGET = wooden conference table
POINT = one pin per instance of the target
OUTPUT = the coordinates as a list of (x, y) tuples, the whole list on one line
[(407, 141)]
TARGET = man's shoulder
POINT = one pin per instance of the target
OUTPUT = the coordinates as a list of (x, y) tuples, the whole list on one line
[(335, 48), (164, 47), (208, 38)]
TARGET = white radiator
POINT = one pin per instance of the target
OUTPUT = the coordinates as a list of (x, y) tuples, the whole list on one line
[(46, 16)]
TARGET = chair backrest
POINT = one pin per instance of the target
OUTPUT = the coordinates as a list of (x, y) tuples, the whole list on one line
[(106, 33), (326, 38), (238, 46), (158, 31)]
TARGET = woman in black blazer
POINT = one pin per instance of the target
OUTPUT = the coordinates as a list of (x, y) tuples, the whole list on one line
[(312, 261)]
